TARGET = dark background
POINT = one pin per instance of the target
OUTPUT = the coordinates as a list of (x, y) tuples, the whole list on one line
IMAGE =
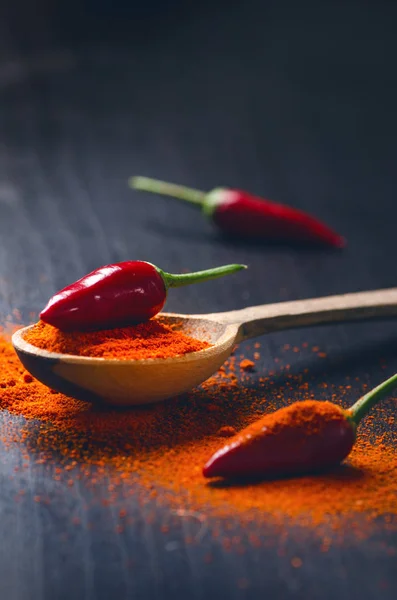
[(292, 100)]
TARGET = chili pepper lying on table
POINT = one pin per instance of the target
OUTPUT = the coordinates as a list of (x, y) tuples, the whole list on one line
[(300, 438), (125, 293), (241, 214)]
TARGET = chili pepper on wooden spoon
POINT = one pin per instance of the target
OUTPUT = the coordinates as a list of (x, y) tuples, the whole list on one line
[(129, 382), (123, 293), (242, 214), (303, 437)]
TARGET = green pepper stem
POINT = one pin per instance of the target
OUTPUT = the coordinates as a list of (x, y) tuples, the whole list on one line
[(188, 278), (364, 404), (146, 184)]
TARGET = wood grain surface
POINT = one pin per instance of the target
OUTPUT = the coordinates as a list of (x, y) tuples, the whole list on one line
[(296, 101)]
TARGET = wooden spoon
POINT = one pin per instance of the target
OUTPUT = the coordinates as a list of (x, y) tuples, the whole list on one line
[(131, 382)]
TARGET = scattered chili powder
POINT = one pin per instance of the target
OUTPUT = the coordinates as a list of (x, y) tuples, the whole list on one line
[(226, 431), (158, 453), (152, 339), (296, 562), (247, 365)]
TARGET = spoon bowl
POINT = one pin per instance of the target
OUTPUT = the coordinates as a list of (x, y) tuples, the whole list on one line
[(127, 382), (132, 382)]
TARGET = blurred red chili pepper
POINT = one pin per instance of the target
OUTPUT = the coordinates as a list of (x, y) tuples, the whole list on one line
[(241, 214), (300, 438), (123, 293)]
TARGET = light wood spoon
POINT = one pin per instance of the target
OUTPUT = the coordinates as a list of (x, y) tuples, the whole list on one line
[(132, 382)]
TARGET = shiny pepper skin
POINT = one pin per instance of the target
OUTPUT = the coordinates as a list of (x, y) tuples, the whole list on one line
[(124, 293), (301, 438)]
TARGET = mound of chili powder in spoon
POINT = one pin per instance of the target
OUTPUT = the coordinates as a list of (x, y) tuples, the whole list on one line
[(152, 339)]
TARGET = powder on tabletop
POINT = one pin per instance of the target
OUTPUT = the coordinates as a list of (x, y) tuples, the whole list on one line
[(247, 365), (152, 339), (159, 451), (226, 431)]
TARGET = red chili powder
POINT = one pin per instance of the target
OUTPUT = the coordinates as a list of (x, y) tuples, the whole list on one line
[(152, 339), (247, 365), (160, 451)]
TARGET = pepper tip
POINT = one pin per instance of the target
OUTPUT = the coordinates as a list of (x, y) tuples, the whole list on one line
[(215, 467), (341, 242), (207, 470)]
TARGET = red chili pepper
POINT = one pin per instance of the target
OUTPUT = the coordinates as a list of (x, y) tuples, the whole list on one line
[(241, 214), (124, 293), (303, 437)]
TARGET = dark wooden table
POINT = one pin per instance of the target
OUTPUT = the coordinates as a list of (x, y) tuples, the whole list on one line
[(296, 101)]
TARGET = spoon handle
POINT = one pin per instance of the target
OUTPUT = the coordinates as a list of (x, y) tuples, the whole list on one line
[(257, 320)]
